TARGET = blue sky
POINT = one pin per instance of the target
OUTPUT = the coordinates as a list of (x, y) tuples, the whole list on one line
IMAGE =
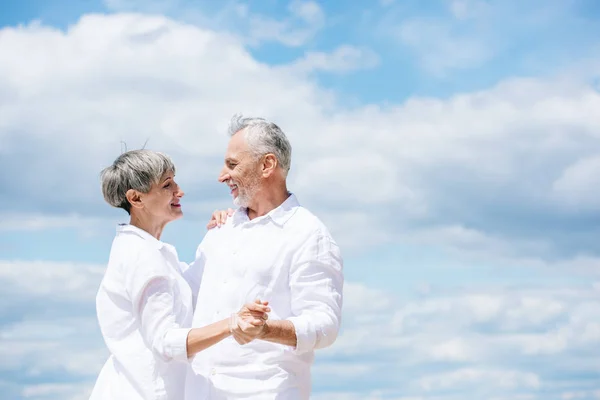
[(452, 147)]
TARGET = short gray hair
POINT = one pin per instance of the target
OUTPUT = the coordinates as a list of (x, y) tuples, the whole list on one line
[(263, 137), (135, 169)]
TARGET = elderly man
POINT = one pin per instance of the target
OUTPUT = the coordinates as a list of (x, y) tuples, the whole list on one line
[(271, 249)]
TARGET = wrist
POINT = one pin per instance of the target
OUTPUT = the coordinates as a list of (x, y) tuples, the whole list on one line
[(232, 323), (264, 333)]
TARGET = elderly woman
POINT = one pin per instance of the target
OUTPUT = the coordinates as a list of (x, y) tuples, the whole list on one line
[(145, 301)]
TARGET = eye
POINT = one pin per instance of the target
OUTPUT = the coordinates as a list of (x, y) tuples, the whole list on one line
[(168, 185)]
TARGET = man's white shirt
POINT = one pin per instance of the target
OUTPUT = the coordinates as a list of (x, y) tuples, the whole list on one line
[(286, 257)]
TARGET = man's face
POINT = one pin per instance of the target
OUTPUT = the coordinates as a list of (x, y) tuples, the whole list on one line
[(241, 171)]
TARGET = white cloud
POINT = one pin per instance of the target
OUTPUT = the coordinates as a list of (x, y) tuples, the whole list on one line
[(465, 9), (443, 166), (343, 59), (30, 222), (63, 391), (492, 379), (440, 50), (478, 340), (305, 20), (579, 184), (70, 281), (302, 22), (491, 343)]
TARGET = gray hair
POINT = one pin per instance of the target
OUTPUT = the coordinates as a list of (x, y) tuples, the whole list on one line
[(263, 137), (135, 169)]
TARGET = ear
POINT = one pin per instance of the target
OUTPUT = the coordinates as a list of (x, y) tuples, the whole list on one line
[(269, 165), (134, 198)]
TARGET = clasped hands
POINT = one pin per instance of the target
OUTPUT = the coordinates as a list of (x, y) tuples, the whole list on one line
[(249, 322)]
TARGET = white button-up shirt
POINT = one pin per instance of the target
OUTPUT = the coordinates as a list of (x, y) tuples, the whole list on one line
[(145, 311), (286, 257)]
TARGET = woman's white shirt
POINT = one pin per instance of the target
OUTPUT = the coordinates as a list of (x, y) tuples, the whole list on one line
[(145, 312)]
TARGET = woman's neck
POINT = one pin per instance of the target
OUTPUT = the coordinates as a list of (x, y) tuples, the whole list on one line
[(145, 224)]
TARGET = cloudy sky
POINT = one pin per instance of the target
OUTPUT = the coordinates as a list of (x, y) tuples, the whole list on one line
[(452, 147)]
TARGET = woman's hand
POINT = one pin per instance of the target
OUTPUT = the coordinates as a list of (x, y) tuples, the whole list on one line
[(219, 217), (248, 323)]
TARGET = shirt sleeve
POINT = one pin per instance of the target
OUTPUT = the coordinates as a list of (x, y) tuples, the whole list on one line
[(192, 274), (316, 282), (153, 294)]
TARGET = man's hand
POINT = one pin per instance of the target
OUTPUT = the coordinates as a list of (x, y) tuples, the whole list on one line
[(249, 323), (219, 217)]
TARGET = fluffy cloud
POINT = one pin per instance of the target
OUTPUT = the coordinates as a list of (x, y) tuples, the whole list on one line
[(486, 167), (49, 338), (343, 59), (444, 345), (301, 22), (473, 343)]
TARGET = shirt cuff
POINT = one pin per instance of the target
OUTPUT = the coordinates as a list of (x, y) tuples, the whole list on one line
[(306, 337), (176, 344)]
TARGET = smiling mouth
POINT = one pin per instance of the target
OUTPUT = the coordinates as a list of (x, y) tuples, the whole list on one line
[(175, 205), (233, 187)]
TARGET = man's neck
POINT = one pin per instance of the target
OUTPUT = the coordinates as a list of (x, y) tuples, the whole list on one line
[(267, 201)]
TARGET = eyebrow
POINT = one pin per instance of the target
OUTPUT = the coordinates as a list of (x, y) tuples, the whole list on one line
[(166, 179)]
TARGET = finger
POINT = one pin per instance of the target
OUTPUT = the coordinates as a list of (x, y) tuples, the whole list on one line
[(224, 216), (243, 338), (230, 211), (259, 315), (240, 340), (258, 307), (239, 333), (211, 224), (219, 219)]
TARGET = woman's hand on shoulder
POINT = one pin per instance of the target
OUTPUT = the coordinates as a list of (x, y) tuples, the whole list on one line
[(219, 217)]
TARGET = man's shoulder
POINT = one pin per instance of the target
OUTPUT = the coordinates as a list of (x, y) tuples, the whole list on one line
[(307, 222)]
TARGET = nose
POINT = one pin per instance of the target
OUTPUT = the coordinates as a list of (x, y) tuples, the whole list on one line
[(224, 175), (180, 193)]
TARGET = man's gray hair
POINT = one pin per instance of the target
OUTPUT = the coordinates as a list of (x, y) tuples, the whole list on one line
[(135, 169), (263, 137)]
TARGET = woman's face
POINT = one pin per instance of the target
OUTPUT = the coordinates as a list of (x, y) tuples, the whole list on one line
[(162, 201)]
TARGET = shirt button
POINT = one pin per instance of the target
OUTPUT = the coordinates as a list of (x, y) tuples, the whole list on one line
[(213, 371)]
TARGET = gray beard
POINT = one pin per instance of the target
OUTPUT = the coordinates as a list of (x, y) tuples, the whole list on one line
[(244, 197)]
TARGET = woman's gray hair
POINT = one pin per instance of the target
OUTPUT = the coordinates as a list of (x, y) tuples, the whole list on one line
[(263, 137), (135, 169)]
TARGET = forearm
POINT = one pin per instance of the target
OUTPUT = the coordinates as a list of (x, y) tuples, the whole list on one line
[(281, 331), (199, 339)]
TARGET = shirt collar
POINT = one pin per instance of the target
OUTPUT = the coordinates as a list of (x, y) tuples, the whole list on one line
[(279, 215), (134, 230)]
